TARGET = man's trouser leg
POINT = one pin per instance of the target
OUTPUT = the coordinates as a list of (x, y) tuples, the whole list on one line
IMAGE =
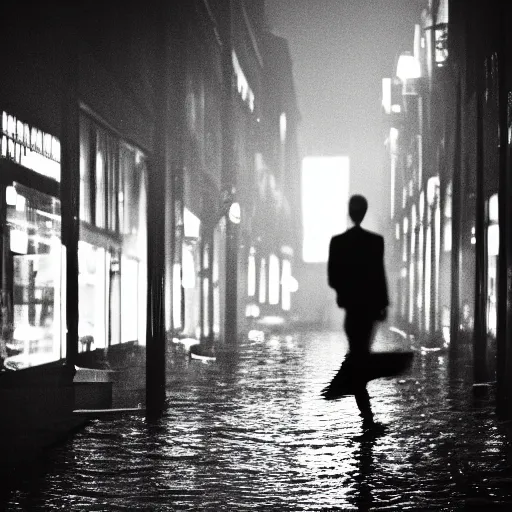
[(359, 330)]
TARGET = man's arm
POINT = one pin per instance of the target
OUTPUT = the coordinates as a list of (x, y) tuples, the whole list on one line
[(331, 266), (382, 285)]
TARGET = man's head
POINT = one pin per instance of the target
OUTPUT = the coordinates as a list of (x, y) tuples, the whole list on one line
[(357, 207)]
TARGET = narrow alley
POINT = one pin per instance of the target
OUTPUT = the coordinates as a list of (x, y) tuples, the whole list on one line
[(250, 432)]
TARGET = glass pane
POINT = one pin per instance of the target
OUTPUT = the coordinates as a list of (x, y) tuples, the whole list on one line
[(101, 156), (428, 274), (286, 275), (251, 276), (263, 281), (112, 170), (206, 312), (92, 293), (129, 299), (492, 295), (176, 296), (114, 295), (31, 310), (85, 170), (273, 279)]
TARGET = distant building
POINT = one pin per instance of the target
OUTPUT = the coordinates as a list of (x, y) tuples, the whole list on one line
[(448, 155)]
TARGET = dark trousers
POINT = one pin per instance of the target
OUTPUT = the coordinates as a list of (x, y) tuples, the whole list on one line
[(359, 328)]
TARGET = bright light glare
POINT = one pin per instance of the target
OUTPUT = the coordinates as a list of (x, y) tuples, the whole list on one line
[(325, 194), (386, 95), (273, 279), (408, 67), (192, 224)]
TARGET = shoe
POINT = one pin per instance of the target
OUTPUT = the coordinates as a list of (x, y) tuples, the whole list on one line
[(374, 427)]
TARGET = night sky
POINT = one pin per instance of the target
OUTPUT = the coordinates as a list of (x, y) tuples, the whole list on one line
[(341, 50)]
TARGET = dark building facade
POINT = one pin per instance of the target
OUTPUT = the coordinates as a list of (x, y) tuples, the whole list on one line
[(449, 158), (130, 151)]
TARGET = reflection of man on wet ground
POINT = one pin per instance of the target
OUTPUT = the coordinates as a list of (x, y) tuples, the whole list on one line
[(356, 272)]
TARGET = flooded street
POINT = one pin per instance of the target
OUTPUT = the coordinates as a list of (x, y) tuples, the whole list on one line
[(250, 431)]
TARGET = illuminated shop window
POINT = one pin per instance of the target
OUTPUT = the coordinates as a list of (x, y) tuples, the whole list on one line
[(218, 270), (447, 246), (263, 281), (286, 288), (413, 230), (282, 127), (437, 255), (92, 292), (112, 260), (273, 279), (419, 143), (30, 147), (32, 317), (192, 287), (191, 282), (206, 290), (405, 240), (411, 291), (419, 272), (428, 276), (176, 296), (192, 224), (422, 206), (189, 267), (129, 299), (493, 247), (447, 235), (251, 273)]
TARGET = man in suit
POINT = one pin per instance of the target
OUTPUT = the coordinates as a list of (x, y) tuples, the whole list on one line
[(355, 270)]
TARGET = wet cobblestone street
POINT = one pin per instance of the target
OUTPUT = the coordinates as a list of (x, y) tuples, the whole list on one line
[(250, 431)]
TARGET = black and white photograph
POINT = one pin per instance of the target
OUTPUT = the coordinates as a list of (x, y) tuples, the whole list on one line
[(255, 255)]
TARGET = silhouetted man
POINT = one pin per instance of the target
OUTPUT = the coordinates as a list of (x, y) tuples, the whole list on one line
[(356, 271)]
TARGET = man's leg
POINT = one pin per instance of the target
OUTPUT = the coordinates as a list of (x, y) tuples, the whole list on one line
[(359, 329), (363, 403)]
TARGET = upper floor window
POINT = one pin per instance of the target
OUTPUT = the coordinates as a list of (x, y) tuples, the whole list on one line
[(441, 33), (111, 176)]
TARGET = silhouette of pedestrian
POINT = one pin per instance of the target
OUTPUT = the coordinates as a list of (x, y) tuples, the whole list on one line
[(356, 272)]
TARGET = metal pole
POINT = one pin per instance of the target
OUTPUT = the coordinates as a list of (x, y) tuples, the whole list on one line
[(504, 353), (480, 330), (70, 176), (229, 177), (155, 345), (456, 220)]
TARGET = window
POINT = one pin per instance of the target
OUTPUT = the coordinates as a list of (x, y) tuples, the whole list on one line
[(112, 259), (32, 311), (273, 279), (251, 273), (263, 281)]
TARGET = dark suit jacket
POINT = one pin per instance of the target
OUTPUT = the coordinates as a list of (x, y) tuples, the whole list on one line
[(356, 270)]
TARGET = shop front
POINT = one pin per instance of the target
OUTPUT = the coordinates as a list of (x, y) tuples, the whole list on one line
[(111, 250), (112, 244), (32, 315)]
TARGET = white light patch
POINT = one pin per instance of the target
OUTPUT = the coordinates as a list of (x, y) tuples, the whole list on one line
[(325, 195)]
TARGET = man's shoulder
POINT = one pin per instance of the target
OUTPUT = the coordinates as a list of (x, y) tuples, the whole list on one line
[(351, 234), (338, 238), (374, 236)]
